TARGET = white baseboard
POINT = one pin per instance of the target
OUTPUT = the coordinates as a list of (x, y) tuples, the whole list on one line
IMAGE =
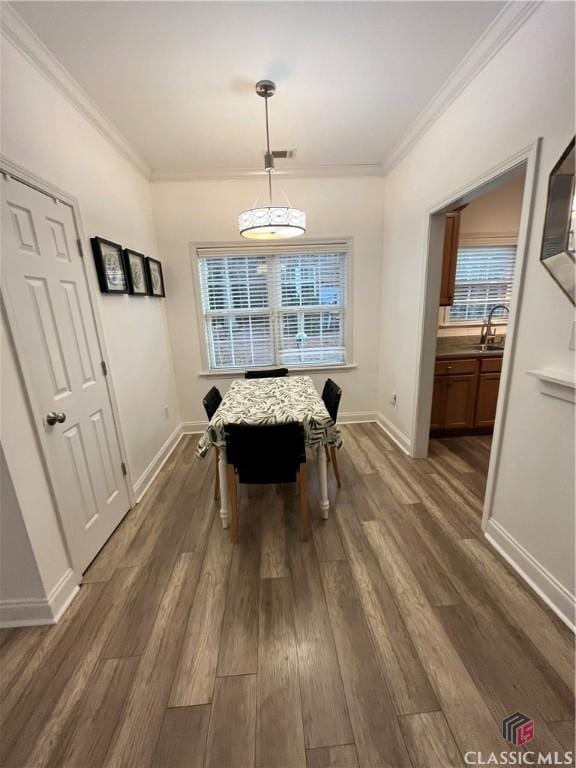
[(147, 477), (346, 417), (356, 417), (546, 586), (63, 593), (394, 434), (34, 612), (25, 613), (194, 427)]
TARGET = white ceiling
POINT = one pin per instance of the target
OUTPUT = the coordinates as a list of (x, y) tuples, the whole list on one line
[(176, 78)]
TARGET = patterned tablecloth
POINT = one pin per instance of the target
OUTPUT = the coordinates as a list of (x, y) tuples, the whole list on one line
[(272, 401)]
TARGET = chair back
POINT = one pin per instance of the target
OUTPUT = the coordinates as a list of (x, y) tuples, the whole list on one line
[(331, 395), (271, 373), (266, 454), (211, 401)]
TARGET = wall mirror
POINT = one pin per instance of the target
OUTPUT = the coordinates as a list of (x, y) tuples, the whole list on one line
[(559, 241)]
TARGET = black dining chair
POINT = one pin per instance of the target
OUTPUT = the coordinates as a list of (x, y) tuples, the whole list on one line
[(274, 453), (211, 402), (331, 395), (271, 373)]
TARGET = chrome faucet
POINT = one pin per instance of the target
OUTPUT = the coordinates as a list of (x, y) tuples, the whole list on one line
[(486, 332)]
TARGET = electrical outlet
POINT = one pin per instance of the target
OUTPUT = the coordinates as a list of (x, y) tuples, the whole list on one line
[(166, 411), (393, 400)]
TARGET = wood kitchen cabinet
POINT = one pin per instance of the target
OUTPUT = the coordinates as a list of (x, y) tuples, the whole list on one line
[(488, 385), (449, 258), (460, 401), (438, 403), (465, 395), (454, 398), (487, 397)]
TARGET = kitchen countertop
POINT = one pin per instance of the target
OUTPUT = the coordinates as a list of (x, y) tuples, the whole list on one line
[(463, 346)]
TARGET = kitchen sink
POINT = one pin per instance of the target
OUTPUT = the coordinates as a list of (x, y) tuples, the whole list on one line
[(488, 347)]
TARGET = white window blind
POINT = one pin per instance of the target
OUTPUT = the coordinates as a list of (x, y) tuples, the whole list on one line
[(284, 306), (484, 276)]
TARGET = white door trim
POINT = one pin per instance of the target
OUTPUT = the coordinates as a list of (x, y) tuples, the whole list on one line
[(24, 176), (527, 157)]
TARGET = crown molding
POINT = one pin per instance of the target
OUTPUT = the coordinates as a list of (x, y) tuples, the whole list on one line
[(301, 172), (15, 29), (513, 16)]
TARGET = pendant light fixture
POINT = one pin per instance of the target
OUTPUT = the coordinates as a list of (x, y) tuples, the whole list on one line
[(273, 222)]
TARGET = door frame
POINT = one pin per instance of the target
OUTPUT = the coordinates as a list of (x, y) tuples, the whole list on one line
[(525, 159), (22, 175)]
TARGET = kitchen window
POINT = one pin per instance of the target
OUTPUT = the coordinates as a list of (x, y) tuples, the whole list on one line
[(274, 305), (484, 276)]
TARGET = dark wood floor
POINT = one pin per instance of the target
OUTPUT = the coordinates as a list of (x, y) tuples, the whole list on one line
[(395, 637)]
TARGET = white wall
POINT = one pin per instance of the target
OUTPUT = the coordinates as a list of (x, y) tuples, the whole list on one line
[(200, 211), (44, 133), (16, 583), (495, 213), (525, 91)]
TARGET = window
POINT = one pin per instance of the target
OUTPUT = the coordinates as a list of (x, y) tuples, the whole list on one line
[(264, 306), (484, 276)]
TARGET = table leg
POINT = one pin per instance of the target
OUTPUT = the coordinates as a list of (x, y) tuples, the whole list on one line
[(323, 476), (224, 497)]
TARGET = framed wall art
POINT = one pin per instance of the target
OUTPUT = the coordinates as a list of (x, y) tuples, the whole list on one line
[(136, 272), (155, 277), (109, 261)]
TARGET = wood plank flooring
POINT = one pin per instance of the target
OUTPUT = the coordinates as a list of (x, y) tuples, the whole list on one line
[(393, 637)]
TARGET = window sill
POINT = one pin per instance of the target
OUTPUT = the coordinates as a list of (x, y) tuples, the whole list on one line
[(236, 373)]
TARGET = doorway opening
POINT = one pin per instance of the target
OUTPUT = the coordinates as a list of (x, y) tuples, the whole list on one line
[(477, 247)]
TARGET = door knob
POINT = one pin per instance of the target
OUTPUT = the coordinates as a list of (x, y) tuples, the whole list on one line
[(55, 418)]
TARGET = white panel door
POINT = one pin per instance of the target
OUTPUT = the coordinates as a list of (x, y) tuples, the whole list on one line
[(46, 295)]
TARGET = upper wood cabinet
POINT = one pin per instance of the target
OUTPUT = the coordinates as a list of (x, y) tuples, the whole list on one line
[(450, 255)]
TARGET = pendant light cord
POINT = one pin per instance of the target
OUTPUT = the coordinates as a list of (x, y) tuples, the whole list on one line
[(267, 128), (268, 151)]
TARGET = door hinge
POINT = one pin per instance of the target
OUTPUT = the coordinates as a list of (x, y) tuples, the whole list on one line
[(124, 470), (80, 248), (104, 368)]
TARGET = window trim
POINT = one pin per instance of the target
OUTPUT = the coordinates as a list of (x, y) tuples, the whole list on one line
[(220, 248)]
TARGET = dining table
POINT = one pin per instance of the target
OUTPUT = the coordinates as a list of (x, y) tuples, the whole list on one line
[(267, 401)]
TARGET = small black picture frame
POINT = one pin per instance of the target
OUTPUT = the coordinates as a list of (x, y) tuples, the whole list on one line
[(136, 272), (110, 267), (155, 277)]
